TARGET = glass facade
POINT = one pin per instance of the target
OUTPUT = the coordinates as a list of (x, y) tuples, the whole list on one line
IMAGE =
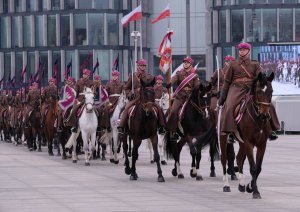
[(4, 26), (27, 31), (112, 29), (237, 25), (39, 30), (15, 32), (80, 37), (65, 30), (51, 31), (96, 29)]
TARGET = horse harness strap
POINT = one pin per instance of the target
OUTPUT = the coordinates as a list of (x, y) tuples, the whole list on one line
[(199, 109)]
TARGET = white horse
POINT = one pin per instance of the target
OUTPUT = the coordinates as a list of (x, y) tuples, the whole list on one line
[(164, 103), (285, 72), (111, 138), (88, 126), (293, 73)]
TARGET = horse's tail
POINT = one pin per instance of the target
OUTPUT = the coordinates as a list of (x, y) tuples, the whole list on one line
[(171, 146), (208, 138)]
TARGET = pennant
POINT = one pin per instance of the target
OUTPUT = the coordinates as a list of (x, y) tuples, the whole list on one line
[(13, 81), (23, 71), (30, 80), (134, 15), (69, 69), (96, 66), (55, 70), (68, 98), (1, 81), (165, 52), (165, 13), (86, 62), (116, 63)]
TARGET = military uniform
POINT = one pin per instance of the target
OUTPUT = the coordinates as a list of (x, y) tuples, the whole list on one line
[(4, 103), (32, 103), (48, 96)]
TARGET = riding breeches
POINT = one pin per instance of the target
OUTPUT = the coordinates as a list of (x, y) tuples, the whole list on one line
[(274, 122)]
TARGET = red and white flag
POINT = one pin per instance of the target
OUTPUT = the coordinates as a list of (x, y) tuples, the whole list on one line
[(68, 98), (134, 15), (165, 52), (165, 13)]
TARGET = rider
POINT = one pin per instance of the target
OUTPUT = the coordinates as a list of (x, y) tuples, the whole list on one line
[(32, 102), (238, 81), (48, 95), (114, 88), (4, 105), (159, 90), (68, 82), (187, 80), (79, 88), (133, 94)]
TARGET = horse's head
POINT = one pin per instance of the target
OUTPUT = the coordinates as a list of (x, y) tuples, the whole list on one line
[(89, 99), (164, 102), (262, 95), (122, 100), (201, 98), (147, 96)]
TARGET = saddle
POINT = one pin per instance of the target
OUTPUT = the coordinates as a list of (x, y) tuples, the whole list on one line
[(132, 111)]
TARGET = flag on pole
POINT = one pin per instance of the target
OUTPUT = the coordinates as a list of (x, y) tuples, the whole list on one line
[(116, 63), (69, 69), (134, 15), (96, 66), (165, 13), (194, 69), (1, 81), (69, 97), (86, 62), (13, 81), (55, 70), (165, 52), (30, 79), (23, 72)]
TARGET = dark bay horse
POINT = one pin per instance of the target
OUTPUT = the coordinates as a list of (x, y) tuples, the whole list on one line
[(32, 132), (254, 130), (198, 131), (143, 124)]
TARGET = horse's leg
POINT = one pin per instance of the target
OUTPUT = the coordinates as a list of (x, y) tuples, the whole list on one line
[(193, 172), (116, 144), (161, 149), (230, 158), (61, 141), (130, 148), (103, 147), (135, 155), (125, 151), (179, 145), (240, 159), (223, 144), (198, 159), (74, 152), (154, 142), (85, 140), (92, 145), (150, 150), (212, 148)]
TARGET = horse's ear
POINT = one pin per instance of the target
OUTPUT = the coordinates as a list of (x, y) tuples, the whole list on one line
[(201, 87), (259, 76), (271, 77), (153, 82), (208, 87)]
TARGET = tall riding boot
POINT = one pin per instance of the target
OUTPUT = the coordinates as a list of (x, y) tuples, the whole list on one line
[(274, 123)]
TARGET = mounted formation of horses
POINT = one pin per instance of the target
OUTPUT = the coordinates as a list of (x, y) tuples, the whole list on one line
[(143, 112), (197, 129), (254, 130)]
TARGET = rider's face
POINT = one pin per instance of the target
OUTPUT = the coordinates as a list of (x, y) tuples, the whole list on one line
[(186, 64), (243, 52)]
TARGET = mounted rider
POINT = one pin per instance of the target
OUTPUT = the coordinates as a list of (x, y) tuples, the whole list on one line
[(159, 88), (114, 89), (134, 95), (69, 82), (239, 78), (4, 104), (79, 88), (32, 102), (187, 80), (49, 94)]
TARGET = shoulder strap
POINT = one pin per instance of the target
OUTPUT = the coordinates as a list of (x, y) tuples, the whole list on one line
[(247, 72)]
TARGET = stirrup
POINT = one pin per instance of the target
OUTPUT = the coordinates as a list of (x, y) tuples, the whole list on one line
[(273, 136), (230, 138), (74, 129)]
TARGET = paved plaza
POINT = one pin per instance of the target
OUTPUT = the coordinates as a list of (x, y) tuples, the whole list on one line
[(34, 181)]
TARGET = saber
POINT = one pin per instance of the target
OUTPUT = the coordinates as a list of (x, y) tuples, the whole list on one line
[(219, 108)]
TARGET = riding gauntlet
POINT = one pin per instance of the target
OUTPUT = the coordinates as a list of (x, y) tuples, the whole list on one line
[(223, 96)]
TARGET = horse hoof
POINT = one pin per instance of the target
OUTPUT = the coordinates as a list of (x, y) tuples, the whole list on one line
[(112, 160), (161, 179), (256, 195), (50, 153), (39, 150), (87, 164), (133, 176), (152, 161), (248, 189), (127, 171), (192, 174), (242, 188), (234, 177), (116, 162), (64, 157), (174, 172), (212, 174), (163, 162), (58, 154), (180, 176), (199, 178), (74, 161), (30, 149), (129, 154), (226, 189)]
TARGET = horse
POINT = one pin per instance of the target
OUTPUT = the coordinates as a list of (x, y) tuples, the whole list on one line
[(16, 124), (254, 130), (88, 126), (112, 137), (197, 128), (49, 128), (142, 124), (164, 103), (285, 72)]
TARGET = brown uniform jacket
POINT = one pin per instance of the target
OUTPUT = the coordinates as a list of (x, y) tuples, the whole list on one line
[(187, 89), (18, 101), (49, 91), (214, 81), (4, 101), (159, 90), (79, 87), (33, 98), (114, 87)]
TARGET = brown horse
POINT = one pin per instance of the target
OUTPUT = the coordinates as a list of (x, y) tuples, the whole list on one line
[(15, 122), (198, 131), (50, 118), (254, 130), (143, 124), (32, 132)]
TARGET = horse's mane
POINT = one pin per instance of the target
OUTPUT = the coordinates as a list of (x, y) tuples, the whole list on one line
[(262, 78)]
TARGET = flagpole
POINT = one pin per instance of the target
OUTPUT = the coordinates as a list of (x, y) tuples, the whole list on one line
[(141, 40), (169, 71)]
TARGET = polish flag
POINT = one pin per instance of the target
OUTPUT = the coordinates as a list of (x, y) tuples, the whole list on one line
[(165, 13), (165, 52), (134, 15)]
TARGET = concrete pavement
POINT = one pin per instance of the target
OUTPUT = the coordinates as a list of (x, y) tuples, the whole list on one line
[(33, 181)]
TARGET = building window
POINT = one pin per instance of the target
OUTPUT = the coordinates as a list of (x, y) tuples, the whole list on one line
[(84, 4), (101, 4), (7, 66), (237, 25), (83, 58), (65, 30), (275, 1), (4, 27), (30, 5), (18, 6), (103, 57), (112, 29), (118, 5), (69, 4), (43, 5), (39, 30), (243, 2), (15, 32), (44, 67), (285, 25), (5, 6), (225, 51), (96, 29), (31, 64), (80, 29), (19, 66), (270, 25), (55, 4), (260, 1), (27, 31), (290, 1), (222, 26), (253, 25), (297, 21), (51, 30)]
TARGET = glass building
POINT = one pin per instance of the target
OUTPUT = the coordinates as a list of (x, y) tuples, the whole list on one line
[(38, 33), (258, 22)]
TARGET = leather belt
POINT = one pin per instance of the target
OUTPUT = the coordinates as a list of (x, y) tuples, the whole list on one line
[(244, 79)]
